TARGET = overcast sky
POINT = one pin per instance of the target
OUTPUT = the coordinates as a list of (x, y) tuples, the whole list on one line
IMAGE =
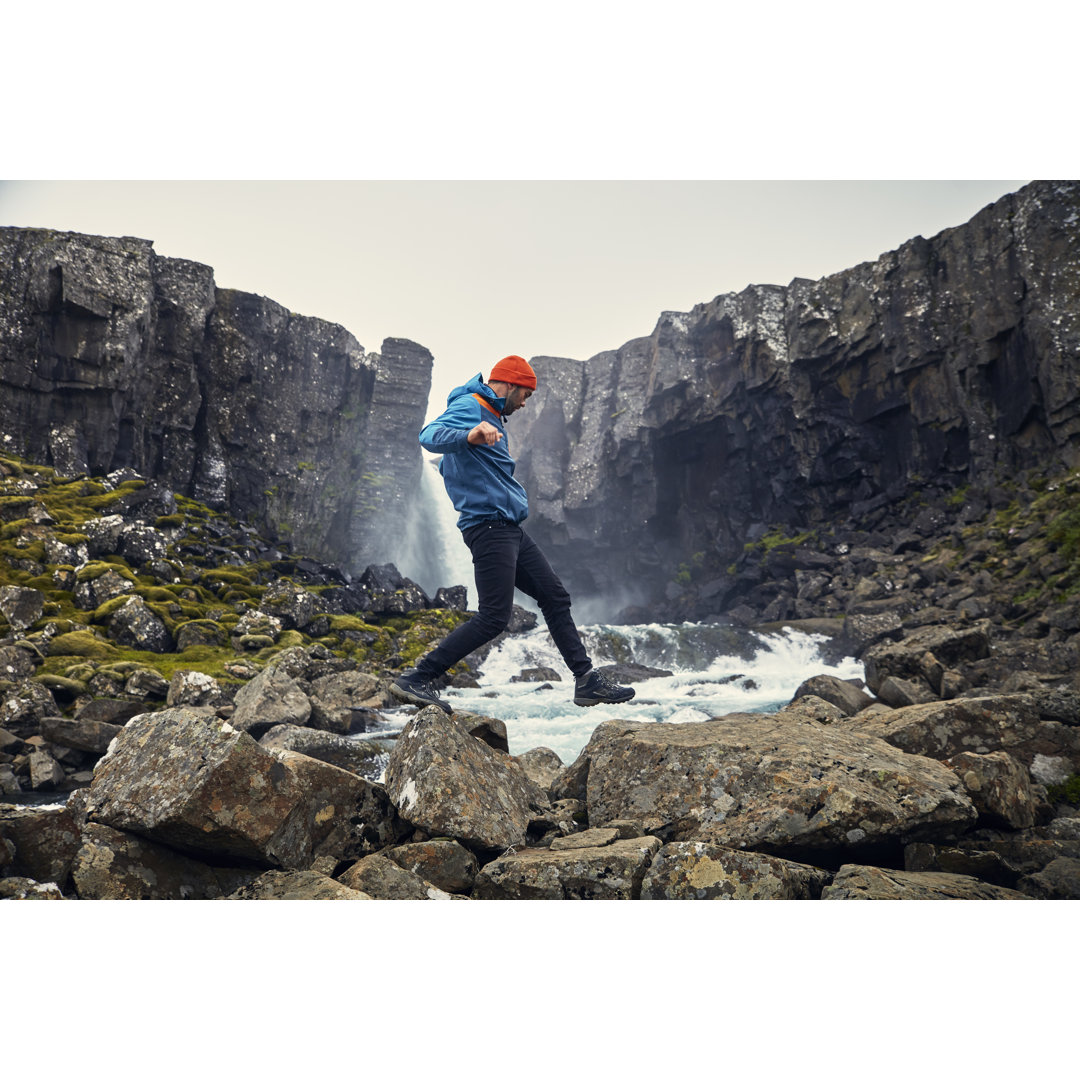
[(474, 270)]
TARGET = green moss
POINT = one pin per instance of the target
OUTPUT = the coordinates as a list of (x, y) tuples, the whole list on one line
[(1068, 792), (81, 643)]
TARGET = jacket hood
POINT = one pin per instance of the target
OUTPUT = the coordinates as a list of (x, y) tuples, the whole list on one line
[(476, 385)]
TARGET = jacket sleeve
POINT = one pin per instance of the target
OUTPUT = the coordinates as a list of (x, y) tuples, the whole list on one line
[(449, 434)]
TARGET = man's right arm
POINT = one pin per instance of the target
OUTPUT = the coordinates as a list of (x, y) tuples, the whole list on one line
[(451, 433)]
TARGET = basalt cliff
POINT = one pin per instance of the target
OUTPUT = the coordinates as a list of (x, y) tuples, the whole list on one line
[(932, 381), (114, 357)]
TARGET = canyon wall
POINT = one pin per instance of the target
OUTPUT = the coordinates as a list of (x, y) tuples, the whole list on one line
[(112, 356)]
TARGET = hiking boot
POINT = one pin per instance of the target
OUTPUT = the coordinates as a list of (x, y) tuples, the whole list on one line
[(414, 689), (595, 688)]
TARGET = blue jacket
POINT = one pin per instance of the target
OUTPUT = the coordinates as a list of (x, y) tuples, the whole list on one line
[(479, 479)]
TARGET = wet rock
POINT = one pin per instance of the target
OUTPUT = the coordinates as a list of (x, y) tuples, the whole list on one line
[(21, 607), (697, 871), (632, 672), (384, 879), (445, 781), (296, 885), (874, 883), (443, 863), (537, 674), (769, 783), (115, 865), (999, 786), (614, 871), (196, 784)]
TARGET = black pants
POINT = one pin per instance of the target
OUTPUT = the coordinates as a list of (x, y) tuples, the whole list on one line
[(505, 557)]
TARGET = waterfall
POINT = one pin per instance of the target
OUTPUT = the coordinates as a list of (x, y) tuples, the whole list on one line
[(432, 552)]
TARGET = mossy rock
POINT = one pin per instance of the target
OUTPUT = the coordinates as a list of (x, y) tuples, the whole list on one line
[(82, 643), (93, 570), (62, 687), (200, 632)]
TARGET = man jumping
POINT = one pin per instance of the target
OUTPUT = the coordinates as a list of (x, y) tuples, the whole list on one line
[(478, 472)]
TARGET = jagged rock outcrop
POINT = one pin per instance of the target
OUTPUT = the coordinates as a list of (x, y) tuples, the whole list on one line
[(949, 361), (113, 356)]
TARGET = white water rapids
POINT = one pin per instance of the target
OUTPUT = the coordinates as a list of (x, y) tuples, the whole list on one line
[(715, 670)]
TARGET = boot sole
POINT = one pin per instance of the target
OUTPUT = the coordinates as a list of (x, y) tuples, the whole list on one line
[(415, 699), (586, 702)]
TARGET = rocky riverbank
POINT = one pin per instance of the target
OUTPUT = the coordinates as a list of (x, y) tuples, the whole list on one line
[(193, 696)]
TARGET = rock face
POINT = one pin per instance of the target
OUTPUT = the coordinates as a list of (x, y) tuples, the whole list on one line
[(948, 360), (113, 356)]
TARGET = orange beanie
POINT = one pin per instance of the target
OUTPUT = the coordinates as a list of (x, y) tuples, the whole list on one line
[(514, 370)]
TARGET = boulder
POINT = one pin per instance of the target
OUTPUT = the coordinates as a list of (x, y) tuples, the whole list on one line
[(272, 697), (115, 865), (980, 725), (1000, 857), (365, 758), (443, 863), (905, 659), (537, 675), (845, 695), (195, 688), (91, 736), (874, 883), (999, 787), (445, 781), (777, 784), (115, 711), (487, 729), (540, 765), (43, 842), (384, 879), (46, 773), (22, 888), (1058, 880), (103, 534), (292, 606), (142, 544), (21, 712), (92, 592), (296, 885), (135, 626), (613, 871), (196, 784), (696, 871), (16, 664), (337, 701), (21, 607), (339, 804)]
